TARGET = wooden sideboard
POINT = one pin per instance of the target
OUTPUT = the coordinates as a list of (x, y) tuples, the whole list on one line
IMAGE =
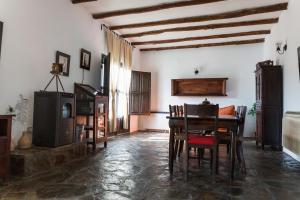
[(199, 87), (5, 137)]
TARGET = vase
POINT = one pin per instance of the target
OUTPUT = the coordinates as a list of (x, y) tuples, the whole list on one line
[(26, 140)]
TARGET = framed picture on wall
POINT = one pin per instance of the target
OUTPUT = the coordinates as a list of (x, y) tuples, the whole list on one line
[(1, 31), (85, 59), (63, 59), (299, 60)]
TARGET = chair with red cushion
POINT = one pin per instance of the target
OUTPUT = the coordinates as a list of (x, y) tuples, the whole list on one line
[(226, 139), (177, 111), (199, 119)]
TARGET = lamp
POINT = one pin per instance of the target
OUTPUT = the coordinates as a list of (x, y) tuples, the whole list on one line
[(279, 50)]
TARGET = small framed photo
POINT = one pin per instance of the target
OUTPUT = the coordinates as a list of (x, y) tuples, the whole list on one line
[(64, 59), (85, 59)]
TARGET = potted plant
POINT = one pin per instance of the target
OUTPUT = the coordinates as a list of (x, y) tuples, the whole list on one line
[(252, 112)]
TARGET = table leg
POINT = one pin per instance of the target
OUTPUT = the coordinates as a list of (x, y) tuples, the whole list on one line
[(171, 150), (232, 154)]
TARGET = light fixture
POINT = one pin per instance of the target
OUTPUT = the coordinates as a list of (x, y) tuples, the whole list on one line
[(281, 50)]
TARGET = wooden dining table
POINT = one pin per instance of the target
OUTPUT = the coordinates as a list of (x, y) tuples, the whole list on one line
[(224, 121)]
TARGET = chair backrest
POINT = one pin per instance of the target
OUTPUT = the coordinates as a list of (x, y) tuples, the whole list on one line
[(201, 117), (176, 111), (241, 113)]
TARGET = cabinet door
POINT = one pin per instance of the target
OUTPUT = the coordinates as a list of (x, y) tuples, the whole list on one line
[(272, 126)]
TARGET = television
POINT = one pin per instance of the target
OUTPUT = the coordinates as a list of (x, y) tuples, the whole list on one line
[(104, 74)]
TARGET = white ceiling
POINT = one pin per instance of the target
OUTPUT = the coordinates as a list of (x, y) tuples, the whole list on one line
[(101, 6)]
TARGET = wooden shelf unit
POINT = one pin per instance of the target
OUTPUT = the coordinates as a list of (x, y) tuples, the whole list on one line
[(199, 87), (92, 112)]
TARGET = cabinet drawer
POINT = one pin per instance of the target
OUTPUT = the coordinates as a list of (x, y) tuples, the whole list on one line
[(3, 146)]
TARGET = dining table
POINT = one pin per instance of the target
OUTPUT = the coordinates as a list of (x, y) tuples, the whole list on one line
[(229, 122)]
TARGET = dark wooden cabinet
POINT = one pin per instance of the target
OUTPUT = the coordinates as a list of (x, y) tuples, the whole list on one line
[(199, 87), (5, 137), (140, 93), (269, 105), (53, 119)]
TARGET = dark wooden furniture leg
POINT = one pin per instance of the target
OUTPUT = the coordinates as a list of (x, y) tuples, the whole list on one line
[(186, 162), (232, 154), (241, 158), (181, 143), (171, 149), (176, 149)]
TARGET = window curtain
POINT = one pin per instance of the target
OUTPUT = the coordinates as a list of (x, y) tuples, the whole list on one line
[(120, 77)]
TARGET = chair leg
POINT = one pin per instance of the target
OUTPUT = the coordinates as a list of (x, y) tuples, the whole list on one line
[(241, 158), (186, 161), (217, 159), (199, 155), (211, 159), (228, 149), (181, 143), (214, 164), (175, 149)]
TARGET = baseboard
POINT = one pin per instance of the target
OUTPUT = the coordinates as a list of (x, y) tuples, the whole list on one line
[(151, 130), (157, 130), (290, 153)]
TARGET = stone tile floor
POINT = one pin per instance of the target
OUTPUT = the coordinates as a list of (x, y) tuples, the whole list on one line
[(136, 167)]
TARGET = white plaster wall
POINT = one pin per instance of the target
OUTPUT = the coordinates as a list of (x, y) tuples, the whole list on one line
[(288, 29), (33, 31), (235, 62)]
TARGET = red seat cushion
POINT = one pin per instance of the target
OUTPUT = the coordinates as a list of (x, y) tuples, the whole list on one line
[(202, 140)]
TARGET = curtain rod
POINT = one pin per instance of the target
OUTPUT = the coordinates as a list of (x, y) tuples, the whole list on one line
[(107, 28)]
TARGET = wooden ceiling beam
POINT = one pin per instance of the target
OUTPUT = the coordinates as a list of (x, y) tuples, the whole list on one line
[(203, 27), (240, 42), (229, 35), (226, 15), (152, 8), (81, 1)]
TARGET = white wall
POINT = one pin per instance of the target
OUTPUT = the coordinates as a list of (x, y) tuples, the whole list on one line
[(235, 62), (288, 29), (33, 31)]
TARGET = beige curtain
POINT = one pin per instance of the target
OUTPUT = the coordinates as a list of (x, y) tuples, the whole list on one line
[(120, 76)]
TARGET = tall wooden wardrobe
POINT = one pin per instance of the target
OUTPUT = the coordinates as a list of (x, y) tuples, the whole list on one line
[(269, 105)]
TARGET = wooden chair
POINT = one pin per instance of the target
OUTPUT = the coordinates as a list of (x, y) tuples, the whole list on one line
[(177, 111), (195, 125), (225, 138)]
